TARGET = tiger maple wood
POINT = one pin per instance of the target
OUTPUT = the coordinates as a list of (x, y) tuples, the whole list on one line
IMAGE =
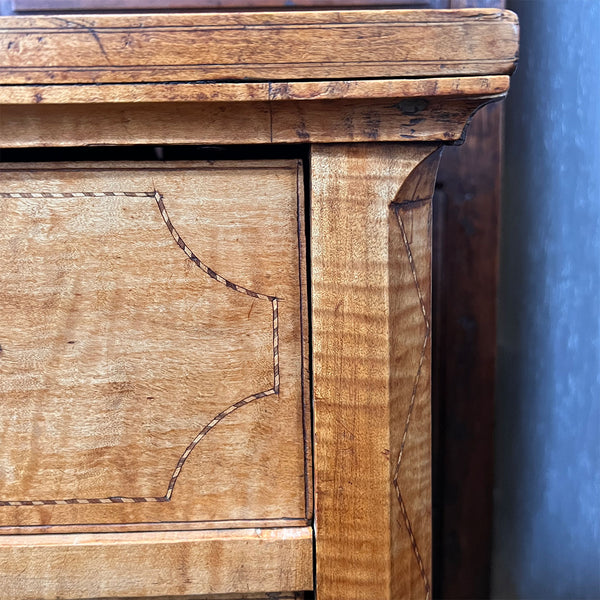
[(370, 220), (311, 77), (152, 346)]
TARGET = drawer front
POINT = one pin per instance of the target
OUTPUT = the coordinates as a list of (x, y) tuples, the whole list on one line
[(152, 346)]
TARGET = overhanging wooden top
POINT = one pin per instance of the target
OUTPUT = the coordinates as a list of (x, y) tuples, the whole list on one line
[(256, 47), (135, 93)]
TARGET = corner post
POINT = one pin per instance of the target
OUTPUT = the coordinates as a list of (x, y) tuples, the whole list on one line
[(371, 279)]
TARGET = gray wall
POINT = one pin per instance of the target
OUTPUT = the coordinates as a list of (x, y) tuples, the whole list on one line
[(547, 523)]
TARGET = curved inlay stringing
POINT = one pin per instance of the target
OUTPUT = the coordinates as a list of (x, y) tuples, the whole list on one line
[(274, 390)]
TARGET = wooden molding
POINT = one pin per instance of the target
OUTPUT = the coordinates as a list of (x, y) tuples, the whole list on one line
[(257, 46), (153, 71), (76, 566), (438, 87), (96, 5), (315, 121)]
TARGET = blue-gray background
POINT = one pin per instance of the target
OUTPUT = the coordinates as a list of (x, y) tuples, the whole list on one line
[(547, 493)]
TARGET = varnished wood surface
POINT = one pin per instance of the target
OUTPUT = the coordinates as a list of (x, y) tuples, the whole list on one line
[(96, 5), (318, 121), (446, 87), (464, 341), (152, 340), (371, 264), (370, 223), (267, 46), (175, 564), (267, 596), (466, 236)]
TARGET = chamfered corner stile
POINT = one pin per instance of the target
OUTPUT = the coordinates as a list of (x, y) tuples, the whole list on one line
[(371, 264)]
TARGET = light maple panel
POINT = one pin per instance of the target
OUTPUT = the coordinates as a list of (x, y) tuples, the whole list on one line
[(152, 346)]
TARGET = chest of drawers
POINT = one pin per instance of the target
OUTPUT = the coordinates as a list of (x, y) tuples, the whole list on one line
[(215, 260)]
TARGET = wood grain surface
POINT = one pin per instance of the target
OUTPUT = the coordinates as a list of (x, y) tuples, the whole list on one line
[(98, 5), (267, 596), (293, 122), (466, 227), (370, 221), (268, 46), (177, 564), (229, 78), (152, 342), (466, 236), (438, 87)]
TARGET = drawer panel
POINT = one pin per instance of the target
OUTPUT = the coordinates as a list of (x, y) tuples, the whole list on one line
[(185, 565), (153, 352)]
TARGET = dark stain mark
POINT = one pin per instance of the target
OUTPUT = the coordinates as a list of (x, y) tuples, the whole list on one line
[(497, 16), (301, 131), (38, 98), (71, 342), (411, 106), (416, 120), (373, 121)]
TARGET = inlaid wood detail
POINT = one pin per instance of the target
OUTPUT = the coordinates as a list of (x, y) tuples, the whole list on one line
[(416, 192), (267, 596), (44, 207), (267, 46), (213, 275), (126, 353), (371, 295)]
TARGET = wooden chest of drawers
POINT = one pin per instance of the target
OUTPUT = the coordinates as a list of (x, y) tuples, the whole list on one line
[(214, 374)]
